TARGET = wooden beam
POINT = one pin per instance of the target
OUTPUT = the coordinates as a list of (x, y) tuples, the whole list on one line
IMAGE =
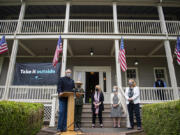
[(94, 56), (112, 50), (70, 49), (27, 49), (156, 49)]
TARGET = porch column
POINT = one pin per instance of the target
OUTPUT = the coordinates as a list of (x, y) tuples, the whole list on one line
[(65, 43), (168, 53), (64, 58), (12, 62), (116, 43)]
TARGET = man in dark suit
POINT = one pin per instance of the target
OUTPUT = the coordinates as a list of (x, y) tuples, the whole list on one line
[(64, 84), (160, 92)]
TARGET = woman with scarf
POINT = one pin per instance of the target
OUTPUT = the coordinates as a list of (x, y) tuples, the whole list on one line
[(132, 96), (97, 105)]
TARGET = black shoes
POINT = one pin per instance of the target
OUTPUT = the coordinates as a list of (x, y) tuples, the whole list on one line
[(130, 128)]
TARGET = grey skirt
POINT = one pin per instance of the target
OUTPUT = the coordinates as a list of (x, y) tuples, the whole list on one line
[(116, 112)]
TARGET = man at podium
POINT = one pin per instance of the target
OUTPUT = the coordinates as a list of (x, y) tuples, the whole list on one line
[(65, 84)]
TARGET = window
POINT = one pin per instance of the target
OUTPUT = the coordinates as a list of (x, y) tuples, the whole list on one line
[(160, 73), (132, 73)]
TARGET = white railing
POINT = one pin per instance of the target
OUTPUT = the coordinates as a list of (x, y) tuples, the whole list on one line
[(2, 88), (32, 93), (8, 26), (42, 26), (173, 27), (88, 26), (149, 27), (153, 95), (150, 94)]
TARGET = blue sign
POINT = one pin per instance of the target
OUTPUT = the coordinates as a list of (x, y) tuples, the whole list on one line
[(36, 74)]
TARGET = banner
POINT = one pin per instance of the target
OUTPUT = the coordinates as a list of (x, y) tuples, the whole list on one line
[(36, 74)]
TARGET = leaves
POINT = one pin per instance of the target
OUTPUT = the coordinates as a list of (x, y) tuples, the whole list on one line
[(162, 118), (19, 118)]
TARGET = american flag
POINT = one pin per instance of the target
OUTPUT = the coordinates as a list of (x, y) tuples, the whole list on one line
[(177, 50), (3, 45), (122, 57), (59, 50)]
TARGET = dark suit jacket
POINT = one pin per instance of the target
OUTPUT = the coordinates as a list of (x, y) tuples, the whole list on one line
[(65, 84), (101, 99)]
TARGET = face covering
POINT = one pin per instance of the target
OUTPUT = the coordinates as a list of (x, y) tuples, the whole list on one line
[(68, 75), (114, 90), (130, 83)]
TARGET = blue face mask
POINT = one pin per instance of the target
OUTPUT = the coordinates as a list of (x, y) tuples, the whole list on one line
[(68, 75)]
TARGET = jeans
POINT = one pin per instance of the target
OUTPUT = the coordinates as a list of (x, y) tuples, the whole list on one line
[(131, 109), (62, 120)]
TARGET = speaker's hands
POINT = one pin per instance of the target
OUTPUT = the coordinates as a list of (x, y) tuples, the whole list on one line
[(60, 94)]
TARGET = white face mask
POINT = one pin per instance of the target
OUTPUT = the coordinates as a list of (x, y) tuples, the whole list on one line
[(114, 90), (68, 75)]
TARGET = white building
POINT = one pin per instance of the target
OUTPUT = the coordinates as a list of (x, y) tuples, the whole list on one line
[(149, 29)]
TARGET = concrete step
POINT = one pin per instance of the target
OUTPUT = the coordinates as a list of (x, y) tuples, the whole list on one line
[(104, 119), (89, 114), (107, 124), (106, 106)]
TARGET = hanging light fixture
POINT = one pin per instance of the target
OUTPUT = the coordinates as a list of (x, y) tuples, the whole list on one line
[(91, 52), (136, 62)]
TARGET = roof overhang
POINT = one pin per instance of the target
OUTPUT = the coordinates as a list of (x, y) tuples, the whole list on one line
[(170, 3)]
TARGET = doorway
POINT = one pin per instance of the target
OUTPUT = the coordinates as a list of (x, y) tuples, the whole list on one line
[(92, 79), (101, 75)]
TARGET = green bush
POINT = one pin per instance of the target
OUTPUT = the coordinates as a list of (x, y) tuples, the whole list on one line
[(162, 118), (17, 118)]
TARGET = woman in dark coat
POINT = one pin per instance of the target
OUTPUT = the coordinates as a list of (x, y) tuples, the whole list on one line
[(97, 105)]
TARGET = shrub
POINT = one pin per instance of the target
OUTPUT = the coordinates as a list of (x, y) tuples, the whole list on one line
[(17, 118), (162, 118)]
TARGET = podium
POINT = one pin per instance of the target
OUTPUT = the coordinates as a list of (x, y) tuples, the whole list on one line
[(70, 113)]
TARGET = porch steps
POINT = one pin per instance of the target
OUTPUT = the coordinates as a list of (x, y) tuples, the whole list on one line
[(86, 119)]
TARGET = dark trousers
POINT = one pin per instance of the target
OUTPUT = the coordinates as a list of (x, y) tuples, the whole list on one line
[(131, 109), (99, 116), (62, 120), (78, 113)]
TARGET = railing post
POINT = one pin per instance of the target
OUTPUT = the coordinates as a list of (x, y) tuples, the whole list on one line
[(53, 111), (168, 53), (13, 54)]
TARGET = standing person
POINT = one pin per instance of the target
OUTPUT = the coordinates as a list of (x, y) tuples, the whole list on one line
[(132, 96), (116, 107), (160, 84), (78, 105), (97, 105), (64, 84)]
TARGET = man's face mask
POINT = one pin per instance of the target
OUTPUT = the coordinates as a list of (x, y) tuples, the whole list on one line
[(68, 75)]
